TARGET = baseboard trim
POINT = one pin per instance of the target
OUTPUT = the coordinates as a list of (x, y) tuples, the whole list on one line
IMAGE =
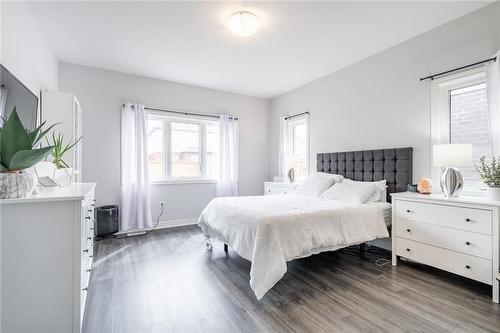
[(176, 223)]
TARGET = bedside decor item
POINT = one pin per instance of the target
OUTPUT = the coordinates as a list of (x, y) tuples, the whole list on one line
[(17, 154), (412, 188), (424, 186), (490, 175), (291, 175), (450, 157), (63, 174)]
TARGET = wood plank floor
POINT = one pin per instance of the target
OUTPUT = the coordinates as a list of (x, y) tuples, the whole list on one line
[(167, 282)]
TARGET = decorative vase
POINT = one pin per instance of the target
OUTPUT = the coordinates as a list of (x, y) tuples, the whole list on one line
[(63, 176), (493, 193), (16, 184)]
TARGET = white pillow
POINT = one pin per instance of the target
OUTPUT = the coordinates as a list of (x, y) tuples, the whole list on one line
[(314, 186), (380, 194), (336, 178), (352, 192)]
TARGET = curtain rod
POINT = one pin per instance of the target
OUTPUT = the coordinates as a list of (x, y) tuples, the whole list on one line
[(296, 115), (457, 69), (185, 113)]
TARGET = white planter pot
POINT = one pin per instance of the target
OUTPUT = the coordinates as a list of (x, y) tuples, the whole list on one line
[(16, 184), (493, 193), (63, 177)]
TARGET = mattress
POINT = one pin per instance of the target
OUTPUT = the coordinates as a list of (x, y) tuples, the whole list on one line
[(386, 209)]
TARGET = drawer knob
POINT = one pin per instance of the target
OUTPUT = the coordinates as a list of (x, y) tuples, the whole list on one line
[(88, 270), (91, 256), (408, 211), (467, 266), (85, 289), (467, 220), (87, 217), (86, 250), (467, 243), (89, 210), (408, 250), (89, 238), (408, 230)]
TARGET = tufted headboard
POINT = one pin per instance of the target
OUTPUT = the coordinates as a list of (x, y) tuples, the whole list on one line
[(394, 165)]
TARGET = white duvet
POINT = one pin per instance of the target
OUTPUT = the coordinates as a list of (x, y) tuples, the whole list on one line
[(271, 230)]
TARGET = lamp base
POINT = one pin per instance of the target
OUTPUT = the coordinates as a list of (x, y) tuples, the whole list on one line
[(451, 182)]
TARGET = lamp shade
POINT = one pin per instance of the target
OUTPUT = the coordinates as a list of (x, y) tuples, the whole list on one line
[(452, 155)]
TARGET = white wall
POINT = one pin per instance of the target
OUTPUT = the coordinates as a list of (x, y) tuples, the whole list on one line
[(101, 94), (380, 102), (25, 51)]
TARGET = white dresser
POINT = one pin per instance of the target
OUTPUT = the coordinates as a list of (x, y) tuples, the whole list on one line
[(459, 235), (278, 188), (46, 257)]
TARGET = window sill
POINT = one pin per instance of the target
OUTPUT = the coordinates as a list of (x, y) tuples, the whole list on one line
[(182, 181)]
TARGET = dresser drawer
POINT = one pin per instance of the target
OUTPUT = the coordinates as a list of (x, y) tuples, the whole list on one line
[(468, 219), (277, 190), (471, 243), (462, 264)]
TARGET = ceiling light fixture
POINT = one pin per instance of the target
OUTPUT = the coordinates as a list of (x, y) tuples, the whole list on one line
[(243, 23)]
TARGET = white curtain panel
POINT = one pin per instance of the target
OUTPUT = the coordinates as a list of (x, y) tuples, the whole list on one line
[(135, 202), (493, 92), (227, 182), (282, 147)]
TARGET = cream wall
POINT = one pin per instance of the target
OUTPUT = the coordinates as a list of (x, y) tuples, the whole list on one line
[(379, 102), (101, 94)]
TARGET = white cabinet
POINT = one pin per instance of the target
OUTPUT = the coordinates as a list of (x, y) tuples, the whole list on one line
[(46, 257), (278, 188), (64, 108), (459, 235)]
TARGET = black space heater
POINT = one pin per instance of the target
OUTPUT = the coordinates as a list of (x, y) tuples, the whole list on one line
[(107, 220)]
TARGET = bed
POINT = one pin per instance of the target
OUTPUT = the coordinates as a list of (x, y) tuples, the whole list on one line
[(272, 230)]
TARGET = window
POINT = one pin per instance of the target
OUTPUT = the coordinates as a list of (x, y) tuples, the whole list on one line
[(182, 148), (460, 115), (297, 147)]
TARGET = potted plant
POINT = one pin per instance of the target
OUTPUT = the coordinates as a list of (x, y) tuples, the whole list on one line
[(64, 172), (17, 154), (490, 175)]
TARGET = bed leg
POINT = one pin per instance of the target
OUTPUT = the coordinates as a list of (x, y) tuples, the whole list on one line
[(225, 247), (362, 248)]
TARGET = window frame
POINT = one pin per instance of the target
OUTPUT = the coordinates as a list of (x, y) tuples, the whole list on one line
[(290, 139), (167, 120), (441, 89)]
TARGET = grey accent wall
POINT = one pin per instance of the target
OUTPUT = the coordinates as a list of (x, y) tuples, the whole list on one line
[(101, 94), (379, 102)]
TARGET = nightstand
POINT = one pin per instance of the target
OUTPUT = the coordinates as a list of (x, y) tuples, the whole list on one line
[(278, 188), (458, 234)]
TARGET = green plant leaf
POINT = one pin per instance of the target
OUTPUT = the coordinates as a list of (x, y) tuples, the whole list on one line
[(43, 133), (27, 158), (14, 138)]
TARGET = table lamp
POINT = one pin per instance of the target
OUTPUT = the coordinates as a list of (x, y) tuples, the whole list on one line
[(450, 157)]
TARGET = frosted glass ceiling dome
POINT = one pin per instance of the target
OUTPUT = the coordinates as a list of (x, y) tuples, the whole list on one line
[(243, 23)]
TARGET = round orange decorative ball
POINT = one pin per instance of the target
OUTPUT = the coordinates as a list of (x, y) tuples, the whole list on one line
[(425, 186)]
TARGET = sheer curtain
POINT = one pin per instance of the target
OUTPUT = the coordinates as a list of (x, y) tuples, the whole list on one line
[(493, 92), (227, 182), (282, 147), (135, 203)]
